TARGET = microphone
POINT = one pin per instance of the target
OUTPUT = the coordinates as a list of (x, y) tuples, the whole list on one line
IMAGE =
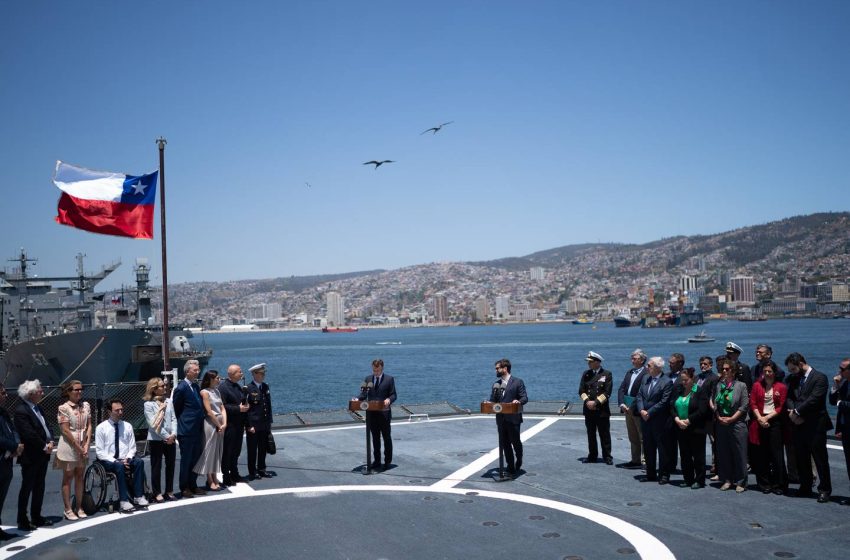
[(496, 393)]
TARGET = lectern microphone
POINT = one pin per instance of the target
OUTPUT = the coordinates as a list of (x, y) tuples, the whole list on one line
[(496, 393)]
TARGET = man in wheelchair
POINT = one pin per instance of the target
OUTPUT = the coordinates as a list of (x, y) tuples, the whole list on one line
[(116, 451)]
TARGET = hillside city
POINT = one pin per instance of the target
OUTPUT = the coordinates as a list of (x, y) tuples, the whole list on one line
[(794, 267)]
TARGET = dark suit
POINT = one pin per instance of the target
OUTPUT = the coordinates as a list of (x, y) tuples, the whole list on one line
[(596, 387), (840, 399), (9, 441), (656, 401), (232, 396), (379, 421), (190, 413), (33, 461), (259, 417), (631, 415), (692, 439), (508, 424), (808, 399)]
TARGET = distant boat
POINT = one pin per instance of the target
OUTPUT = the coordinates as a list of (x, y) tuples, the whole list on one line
[(385, 343), (338, 329), (701, 337), (582, 320), (626, 320)]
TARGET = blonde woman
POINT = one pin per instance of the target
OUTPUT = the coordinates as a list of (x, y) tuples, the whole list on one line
[(72, 454), (162, 435)]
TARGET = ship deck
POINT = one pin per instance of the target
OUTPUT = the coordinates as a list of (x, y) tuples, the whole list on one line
[(441, 500)]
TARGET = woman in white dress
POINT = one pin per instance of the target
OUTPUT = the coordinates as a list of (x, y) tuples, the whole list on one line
[(209, 462)]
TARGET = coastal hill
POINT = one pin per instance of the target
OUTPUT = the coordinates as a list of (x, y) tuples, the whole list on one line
[(808, 248)]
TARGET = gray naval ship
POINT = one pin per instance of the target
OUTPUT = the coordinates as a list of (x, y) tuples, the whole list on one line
[(442, 498), (57, 328)]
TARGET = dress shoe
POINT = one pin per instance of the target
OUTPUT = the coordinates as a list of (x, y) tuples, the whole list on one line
[(609, 460), (845, 502), (268, 474), (664, 480), (649, 479), (26, 526), (697, 486), (187, 494), (4, 536), (199, 491), (252, 477), (42, 522), (240, 478), (632, 464), (823, 497), (589, 460), (375, 466), (779, 491), (227, 481)]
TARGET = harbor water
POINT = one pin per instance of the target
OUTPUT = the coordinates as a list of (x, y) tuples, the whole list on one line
[(311, 370)]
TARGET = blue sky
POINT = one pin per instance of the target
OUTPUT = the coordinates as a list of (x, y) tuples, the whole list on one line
[(573, 122)]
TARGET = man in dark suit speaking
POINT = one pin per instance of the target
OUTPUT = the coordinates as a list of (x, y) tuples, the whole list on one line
[(379, 386), (510, 389)]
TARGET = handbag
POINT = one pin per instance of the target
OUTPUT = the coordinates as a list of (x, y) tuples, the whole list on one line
[(271, 447)]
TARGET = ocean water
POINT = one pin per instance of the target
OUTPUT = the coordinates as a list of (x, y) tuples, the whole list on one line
[(311, 370)]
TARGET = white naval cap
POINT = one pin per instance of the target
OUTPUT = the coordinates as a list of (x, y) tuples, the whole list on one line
[(593, 356), (257, 367), (732, 347)]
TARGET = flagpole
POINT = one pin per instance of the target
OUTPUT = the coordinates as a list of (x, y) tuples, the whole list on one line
[(161, 142)]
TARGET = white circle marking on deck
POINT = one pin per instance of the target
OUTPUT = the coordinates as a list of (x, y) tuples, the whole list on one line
[(646, 545)]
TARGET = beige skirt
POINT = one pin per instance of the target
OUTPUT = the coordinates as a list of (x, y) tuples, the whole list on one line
[(60, 465)]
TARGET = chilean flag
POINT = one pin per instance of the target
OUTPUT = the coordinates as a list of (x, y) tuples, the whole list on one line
[(105, 202)]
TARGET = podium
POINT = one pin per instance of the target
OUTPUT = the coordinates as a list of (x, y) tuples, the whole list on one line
[(366, 406), (488, 407)]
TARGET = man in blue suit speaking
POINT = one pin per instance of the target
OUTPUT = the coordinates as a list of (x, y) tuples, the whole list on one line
[(510, 389)]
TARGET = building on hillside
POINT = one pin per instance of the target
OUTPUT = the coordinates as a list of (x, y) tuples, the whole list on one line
[(441, 308), (503, 307), (537, 273), (336, 310), (743, 290), (482, 309)]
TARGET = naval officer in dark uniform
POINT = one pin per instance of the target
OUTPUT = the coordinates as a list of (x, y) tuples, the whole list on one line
[(595, 390), (259, 422)]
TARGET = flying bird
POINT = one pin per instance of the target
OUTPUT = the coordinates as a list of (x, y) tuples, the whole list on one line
[(378, 164), (308, 184), (435, 129)]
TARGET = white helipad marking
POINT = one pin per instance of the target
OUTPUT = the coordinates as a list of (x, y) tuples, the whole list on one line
[(462, 474), (646, 545)]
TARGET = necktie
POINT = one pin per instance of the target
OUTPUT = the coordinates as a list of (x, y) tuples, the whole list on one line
[(40, 417), (116, 442), (377, 382)]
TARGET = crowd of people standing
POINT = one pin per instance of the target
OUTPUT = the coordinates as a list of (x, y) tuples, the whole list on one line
[(206, 422), (758, 420)]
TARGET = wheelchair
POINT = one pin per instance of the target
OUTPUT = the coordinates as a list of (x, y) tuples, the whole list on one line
[(99, 484)]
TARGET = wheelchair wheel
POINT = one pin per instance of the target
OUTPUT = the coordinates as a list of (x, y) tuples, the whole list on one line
[(94, 488)]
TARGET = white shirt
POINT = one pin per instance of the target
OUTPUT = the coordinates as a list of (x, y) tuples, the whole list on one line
[(104, 441)]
